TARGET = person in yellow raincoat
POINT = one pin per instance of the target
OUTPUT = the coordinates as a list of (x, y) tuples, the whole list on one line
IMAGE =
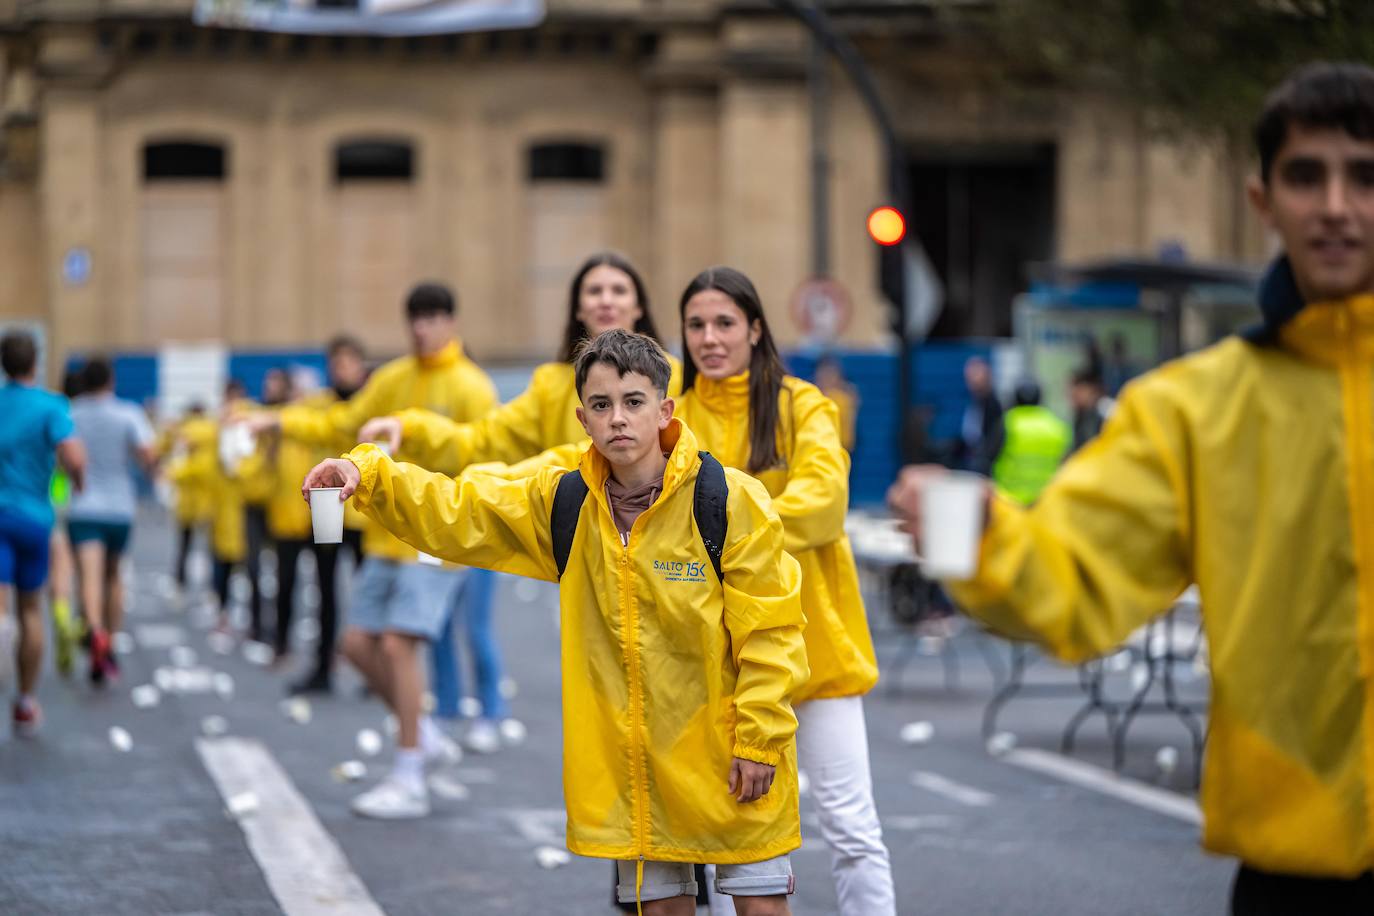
[(191, 445), (1248, 469), (787, 434), (676, 684), (399, 603)]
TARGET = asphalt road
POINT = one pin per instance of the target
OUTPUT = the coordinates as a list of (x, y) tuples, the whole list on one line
[(88, 827)]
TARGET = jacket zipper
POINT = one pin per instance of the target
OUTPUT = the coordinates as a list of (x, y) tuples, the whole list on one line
[(640, 776)]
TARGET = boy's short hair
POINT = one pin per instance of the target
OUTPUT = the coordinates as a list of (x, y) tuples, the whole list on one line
[(1325, 94), (430, 299), (18, 354), (627, 353), (97, 373)]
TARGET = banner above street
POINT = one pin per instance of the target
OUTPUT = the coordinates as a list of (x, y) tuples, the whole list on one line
[(370, 17)]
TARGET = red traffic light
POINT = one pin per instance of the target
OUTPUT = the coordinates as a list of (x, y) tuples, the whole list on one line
[(886, 226)]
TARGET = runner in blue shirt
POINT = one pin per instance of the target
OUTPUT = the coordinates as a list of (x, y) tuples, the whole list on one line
[(37, 432)]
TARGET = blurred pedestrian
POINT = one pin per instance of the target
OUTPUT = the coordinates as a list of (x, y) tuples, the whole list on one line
[(347, 373), (118, 440), (189, 448), (832, 383), (1248, 469), (1091, 405), (67, 628), (980, 429), (37, 434), (1034, 443)]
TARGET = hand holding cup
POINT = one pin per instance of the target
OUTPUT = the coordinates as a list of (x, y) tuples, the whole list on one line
[(386, 431), (944, 511)]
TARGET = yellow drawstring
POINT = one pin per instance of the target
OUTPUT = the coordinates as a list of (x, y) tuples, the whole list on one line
[(639, 885)]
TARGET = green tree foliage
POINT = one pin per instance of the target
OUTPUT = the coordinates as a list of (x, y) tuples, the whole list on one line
[(1196, 66)]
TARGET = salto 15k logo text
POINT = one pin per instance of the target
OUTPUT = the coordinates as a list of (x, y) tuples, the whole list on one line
[(680, 570)]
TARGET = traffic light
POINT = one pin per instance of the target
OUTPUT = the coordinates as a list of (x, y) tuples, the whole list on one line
[(887, 226)]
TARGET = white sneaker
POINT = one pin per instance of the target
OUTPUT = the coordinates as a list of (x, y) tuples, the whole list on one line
[(482, 737), (443, 751), (393, 800)]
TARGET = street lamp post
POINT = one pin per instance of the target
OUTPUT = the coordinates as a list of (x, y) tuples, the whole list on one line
[(898, 183)]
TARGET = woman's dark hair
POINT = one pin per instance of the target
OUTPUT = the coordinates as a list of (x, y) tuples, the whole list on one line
[(765, 365), (577, 331), (1334, 95)]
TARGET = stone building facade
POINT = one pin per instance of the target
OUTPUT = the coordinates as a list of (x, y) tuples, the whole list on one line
[(163, 182)]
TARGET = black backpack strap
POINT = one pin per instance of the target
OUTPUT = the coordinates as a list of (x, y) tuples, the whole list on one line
[(709, 508), (567, 506)]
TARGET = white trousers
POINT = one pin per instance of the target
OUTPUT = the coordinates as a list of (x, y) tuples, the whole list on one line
[(832, 748)]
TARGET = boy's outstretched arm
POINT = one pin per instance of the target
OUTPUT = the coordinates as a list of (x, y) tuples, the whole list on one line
[(477, 521), (764, 618)]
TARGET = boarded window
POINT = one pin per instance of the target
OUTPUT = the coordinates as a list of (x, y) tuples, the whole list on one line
[(567, 162)]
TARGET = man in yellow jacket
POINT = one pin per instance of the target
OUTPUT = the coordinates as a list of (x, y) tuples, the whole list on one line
[(676, 679), (398, 603), (1247, 468)]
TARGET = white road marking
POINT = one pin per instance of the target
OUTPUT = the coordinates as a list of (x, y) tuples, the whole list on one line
[(304, 867), (1087, 776), (955, 791), (541, 826), (159, 635)]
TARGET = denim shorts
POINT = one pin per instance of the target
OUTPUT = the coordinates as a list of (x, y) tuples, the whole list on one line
[(663, 880), (410, 598)]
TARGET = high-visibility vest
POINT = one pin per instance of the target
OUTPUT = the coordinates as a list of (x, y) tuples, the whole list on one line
[(1036, 442)]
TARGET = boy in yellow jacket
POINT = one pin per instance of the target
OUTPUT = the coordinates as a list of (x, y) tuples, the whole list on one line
[(676, 681), (1248, 469)]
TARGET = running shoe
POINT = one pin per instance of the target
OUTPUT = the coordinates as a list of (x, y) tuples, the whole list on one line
[(393, 800), (28, 718), (483, 737), (100, 654)]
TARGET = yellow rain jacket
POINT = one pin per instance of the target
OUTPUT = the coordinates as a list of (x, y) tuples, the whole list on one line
[(667, 675), (448, 383), (810, 493), (543, 416), (228, 537), (1249, 470), (192, 471), (288, 462)]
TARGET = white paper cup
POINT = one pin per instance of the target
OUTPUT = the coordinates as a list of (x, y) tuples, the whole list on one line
[(952, 525), (327, 515), (235, 444)]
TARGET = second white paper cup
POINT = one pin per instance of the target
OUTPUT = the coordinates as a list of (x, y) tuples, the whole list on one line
[(952, 525), (327, 515)]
